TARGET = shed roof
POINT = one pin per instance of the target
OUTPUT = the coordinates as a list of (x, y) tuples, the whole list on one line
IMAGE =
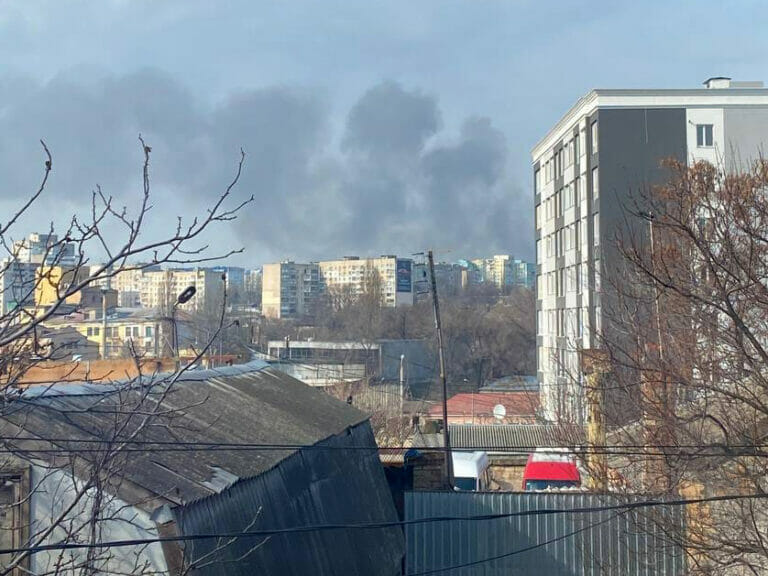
[(490, 437), (250, 403)]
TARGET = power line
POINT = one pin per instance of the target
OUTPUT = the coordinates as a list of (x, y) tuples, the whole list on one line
[(693, 451), (382, 525)]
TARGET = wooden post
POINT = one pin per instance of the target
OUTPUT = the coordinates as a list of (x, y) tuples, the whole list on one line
[(443, 378)]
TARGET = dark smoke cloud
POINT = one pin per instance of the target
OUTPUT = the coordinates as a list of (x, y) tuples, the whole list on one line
[(398, 182)]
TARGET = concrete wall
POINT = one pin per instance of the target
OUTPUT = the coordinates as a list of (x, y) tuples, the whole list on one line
[(633, 144), (745, 136), (55, 490), (270, 291)]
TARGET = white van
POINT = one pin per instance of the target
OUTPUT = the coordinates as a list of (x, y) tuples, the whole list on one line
[(470, 471)]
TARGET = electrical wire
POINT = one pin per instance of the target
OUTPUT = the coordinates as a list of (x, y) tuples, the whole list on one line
[(627, 506), (133, 445)]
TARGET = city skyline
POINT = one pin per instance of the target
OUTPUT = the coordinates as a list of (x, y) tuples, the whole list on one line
[(307, 96)]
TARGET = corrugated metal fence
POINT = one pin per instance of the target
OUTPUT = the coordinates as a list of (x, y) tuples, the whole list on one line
[(639, 542)]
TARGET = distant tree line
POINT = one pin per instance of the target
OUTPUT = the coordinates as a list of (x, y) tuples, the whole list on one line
[(487, 334)]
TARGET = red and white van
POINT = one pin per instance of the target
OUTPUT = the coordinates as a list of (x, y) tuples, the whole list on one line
[(551, 470)]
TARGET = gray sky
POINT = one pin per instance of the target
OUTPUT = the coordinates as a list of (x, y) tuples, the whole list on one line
[(370, 127)]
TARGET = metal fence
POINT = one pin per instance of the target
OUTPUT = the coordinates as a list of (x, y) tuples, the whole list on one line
[(638, 542)]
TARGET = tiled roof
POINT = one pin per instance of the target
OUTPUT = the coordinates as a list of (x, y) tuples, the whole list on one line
[(515, 403)]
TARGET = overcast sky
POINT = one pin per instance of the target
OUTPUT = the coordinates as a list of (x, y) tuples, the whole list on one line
[(369, 126)]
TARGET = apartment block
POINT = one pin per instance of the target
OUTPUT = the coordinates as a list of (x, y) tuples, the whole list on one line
[(389, 274), (234, 279), (291, 289), (44, 249), (505, 271), (17, 284), (586, 170), (160, 288)]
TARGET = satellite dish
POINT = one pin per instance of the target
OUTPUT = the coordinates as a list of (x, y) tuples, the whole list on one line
[(499, 412)]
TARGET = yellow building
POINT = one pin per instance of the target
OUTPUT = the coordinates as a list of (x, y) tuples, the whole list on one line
[(128, 332), (52, 282)]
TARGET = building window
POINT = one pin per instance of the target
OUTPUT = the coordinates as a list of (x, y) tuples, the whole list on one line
[(578, 278), (577, 235), (598, 283), (576, 147), (595, 183), (704, 135), (538, 251), (594, 137), (596, 228)]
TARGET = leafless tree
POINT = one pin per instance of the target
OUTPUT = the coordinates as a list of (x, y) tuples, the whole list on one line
[(687, 335), (81, 485)]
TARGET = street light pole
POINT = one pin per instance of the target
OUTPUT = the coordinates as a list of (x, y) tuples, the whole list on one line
[(183, 298)]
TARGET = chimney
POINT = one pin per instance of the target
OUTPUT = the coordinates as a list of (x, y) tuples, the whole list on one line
[(724, 82), (717, 82)]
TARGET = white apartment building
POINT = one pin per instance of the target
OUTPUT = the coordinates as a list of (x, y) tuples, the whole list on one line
[(355, 274), (504, 271), (160, 288), (291, 289), (36, 248), (603, 150)]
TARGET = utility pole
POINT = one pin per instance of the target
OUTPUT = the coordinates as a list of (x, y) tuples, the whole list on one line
[(104, 318), (402, 382), (441, 360), (659, 415)]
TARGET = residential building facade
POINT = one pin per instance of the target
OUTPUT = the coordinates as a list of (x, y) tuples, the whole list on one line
[(45, 249), (17, 284), (359, 275), (160, 288), (234, 280), (129, 332), (606, 149), (291, 289), (505, 271)]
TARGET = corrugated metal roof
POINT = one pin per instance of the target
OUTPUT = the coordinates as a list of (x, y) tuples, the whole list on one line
[(244, 404), (308, 487), (490, 437), (627, 543)]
